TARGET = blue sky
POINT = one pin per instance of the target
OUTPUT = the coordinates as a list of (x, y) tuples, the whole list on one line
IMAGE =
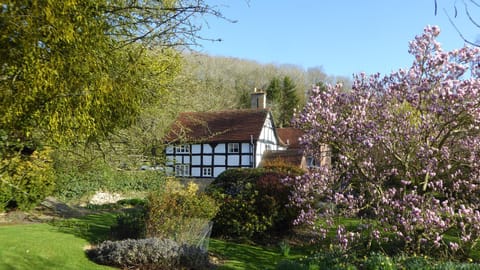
[(341, 36)]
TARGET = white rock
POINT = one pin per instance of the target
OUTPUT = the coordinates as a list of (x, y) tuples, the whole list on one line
[(105, 197)]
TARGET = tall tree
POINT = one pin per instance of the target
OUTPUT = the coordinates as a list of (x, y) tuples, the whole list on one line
[(79, 70), (283, 99), (408, 149)]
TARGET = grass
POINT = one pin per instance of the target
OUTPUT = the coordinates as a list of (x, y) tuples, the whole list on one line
[(237, 256), (57, 245), (42, 246), (60, 245), (94, 228)]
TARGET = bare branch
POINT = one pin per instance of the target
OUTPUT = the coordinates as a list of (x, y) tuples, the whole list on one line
[(470, 17), (460, 32)]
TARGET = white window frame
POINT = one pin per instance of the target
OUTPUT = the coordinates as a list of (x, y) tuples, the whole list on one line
[(182, 170), (206, 171), (233, 148), (182, 149)]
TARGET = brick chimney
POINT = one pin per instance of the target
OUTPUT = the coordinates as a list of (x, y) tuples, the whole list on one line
[(259, 99)]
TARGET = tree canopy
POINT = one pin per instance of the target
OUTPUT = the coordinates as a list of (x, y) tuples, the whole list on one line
[(408, 148), (78, 70), (282, 97)]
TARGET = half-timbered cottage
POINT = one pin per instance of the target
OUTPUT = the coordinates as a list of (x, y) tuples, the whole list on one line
[(204, 144)]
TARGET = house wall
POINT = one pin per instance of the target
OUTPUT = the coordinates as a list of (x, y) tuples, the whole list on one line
[(268, 140), (209, 160)]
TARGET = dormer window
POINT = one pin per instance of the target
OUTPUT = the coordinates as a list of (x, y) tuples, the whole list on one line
[(233, 148)]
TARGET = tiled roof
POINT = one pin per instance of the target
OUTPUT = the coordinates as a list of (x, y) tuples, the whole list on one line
[(290, 156), (290, 136), (218, 126)]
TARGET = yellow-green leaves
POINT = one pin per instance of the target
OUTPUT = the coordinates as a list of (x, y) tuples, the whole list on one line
[(64, 75)]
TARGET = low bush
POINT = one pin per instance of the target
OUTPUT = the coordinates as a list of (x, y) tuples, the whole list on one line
[(253, 202), (130, 224), (150, 253), (378, 261), (179, 213), (75, 183), (291, 265)]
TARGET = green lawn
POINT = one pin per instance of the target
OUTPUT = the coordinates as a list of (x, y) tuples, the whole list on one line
[(60, 245), (242, 256), (42, 246)]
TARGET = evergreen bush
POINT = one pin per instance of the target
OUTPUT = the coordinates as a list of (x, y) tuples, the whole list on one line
[(253, 202)]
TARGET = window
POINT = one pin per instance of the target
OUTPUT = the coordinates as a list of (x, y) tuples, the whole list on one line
[(182, 149), (182, 170), (312, 162), (233, 148), (207, 172)]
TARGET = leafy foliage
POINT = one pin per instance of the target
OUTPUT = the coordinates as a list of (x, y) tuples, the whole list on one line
[(74, 72), (283, 99), (150, 253), (179, 213), (130, 225), (253, 203), (74, 183), (408, 147), (25, 179)]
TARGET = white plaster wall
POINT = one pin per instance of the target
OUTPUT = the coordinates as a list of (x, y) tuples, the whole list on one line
[(233, 160), (207, 160), (196, 160), (220, 148), (196, 148), (207, 148), (246, 148), (196, 172), (246, 160), (219, 160), (218, 170)]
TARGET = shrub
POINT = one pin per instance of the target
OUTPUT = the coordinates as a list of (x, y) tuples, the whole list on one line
[(282, 167), (26, 179), (378, 261), (253, 202), (130, 224), (73, 183), (150, 253), (291, 265), (456, 266), (179, 213), (333, 259), (414, 263)]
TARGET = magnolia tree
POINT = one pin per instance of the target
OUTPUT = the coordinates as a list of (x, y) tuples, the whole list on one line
[(406, 154)]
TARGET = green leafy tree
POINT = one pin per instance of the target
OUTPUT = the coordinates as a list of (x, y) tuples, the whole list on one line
[(283, 99), (79, 70)]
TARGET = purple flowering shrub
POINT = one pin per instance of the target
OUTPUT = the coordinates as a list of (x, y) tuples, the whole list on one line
[(407, 151)]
